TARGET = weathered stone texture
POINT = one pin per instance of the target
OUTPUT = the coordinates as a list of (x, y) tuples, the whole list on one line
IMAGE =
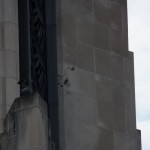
[(26, 125), (97, 99), (9, 54)]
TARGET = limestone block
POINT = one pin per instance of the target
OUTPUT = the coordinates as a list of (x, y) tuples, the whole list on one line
[(72, 140), (11, 36), (1, 36), (8, 141), (1, 126), (89, 136), (85, 57), (119, 119), (116, 17), (104, 115), (80, 107), (119, 42), (122, 141), (2, 98), (103, 87), (93, 34), (124, 17), (118, 96), (130, 123), (102, 12), (129, 110), (103, 63), (105, 140), (70, 55), (136, 140), (128, 69), (11, 11), (108, 13), (122, 2), (2, 62), (80, 81), (81, 8), (69, 33), (11, 64), (2, 112), (31, 123), (12, 90), (1, 10)]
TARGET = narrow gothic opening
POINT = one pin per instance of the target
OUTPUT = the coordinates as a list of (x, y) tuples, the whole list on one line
[(38, 55)]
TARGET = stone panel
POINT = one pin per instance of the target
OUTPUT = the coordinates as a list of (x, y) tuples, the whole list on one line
[(116, 17), (31, 123), (117, 67), (2, 112), (85, 57), (11, 36), (119, 119), (69, 34), (2, 91), (103, 87), (80, 107), (1, 35), (122, 2), (70, 55), (1, 126), (72, 135), (102, 12), (122, 142), (119, 42), (103, 63), (89, 136), (93, 34), (12, 91), (2, 63), (1, 10), (80, 81), (81, 8), (104, 115), (11, 11), (118, 96), (8, 141), (105, 140), (108, 13), (128, 68), (11, 64)]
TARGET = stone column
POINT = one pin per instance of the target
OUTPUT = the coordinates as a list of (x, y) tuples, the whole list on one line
[(9, 56), (31, 123), (96, 92)]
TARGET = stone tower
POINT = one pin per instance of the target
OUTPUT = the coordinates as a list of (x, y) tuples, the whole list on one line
[(90, 77)]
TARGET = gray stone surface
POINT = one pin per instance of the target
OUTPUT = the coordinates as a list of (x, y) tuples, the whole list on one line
[(32, 124), (96, 92), (94, 36), (9, 54), (85, 57), (103, 63), (26, 125)]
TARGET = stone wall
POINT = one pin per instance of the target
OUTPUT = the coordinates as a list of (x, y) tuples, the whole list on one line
[(9, 56), (26, 125), (96, 76)]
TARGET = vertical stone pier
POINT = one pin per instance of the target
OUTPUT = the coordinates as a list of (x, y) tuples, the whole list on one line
[(96, 92), (9, 56)]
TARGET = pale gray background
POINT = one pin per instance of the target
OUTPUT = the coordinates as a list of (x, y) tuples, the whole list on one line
[(139, 43)]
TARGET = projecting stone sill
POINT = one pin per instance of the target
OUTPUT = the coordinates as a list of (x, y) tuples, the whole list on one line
[(26, 125)]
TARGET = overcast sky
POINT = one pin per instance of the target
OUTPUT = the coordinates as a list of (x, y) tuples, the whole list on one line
[(139, 43)]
